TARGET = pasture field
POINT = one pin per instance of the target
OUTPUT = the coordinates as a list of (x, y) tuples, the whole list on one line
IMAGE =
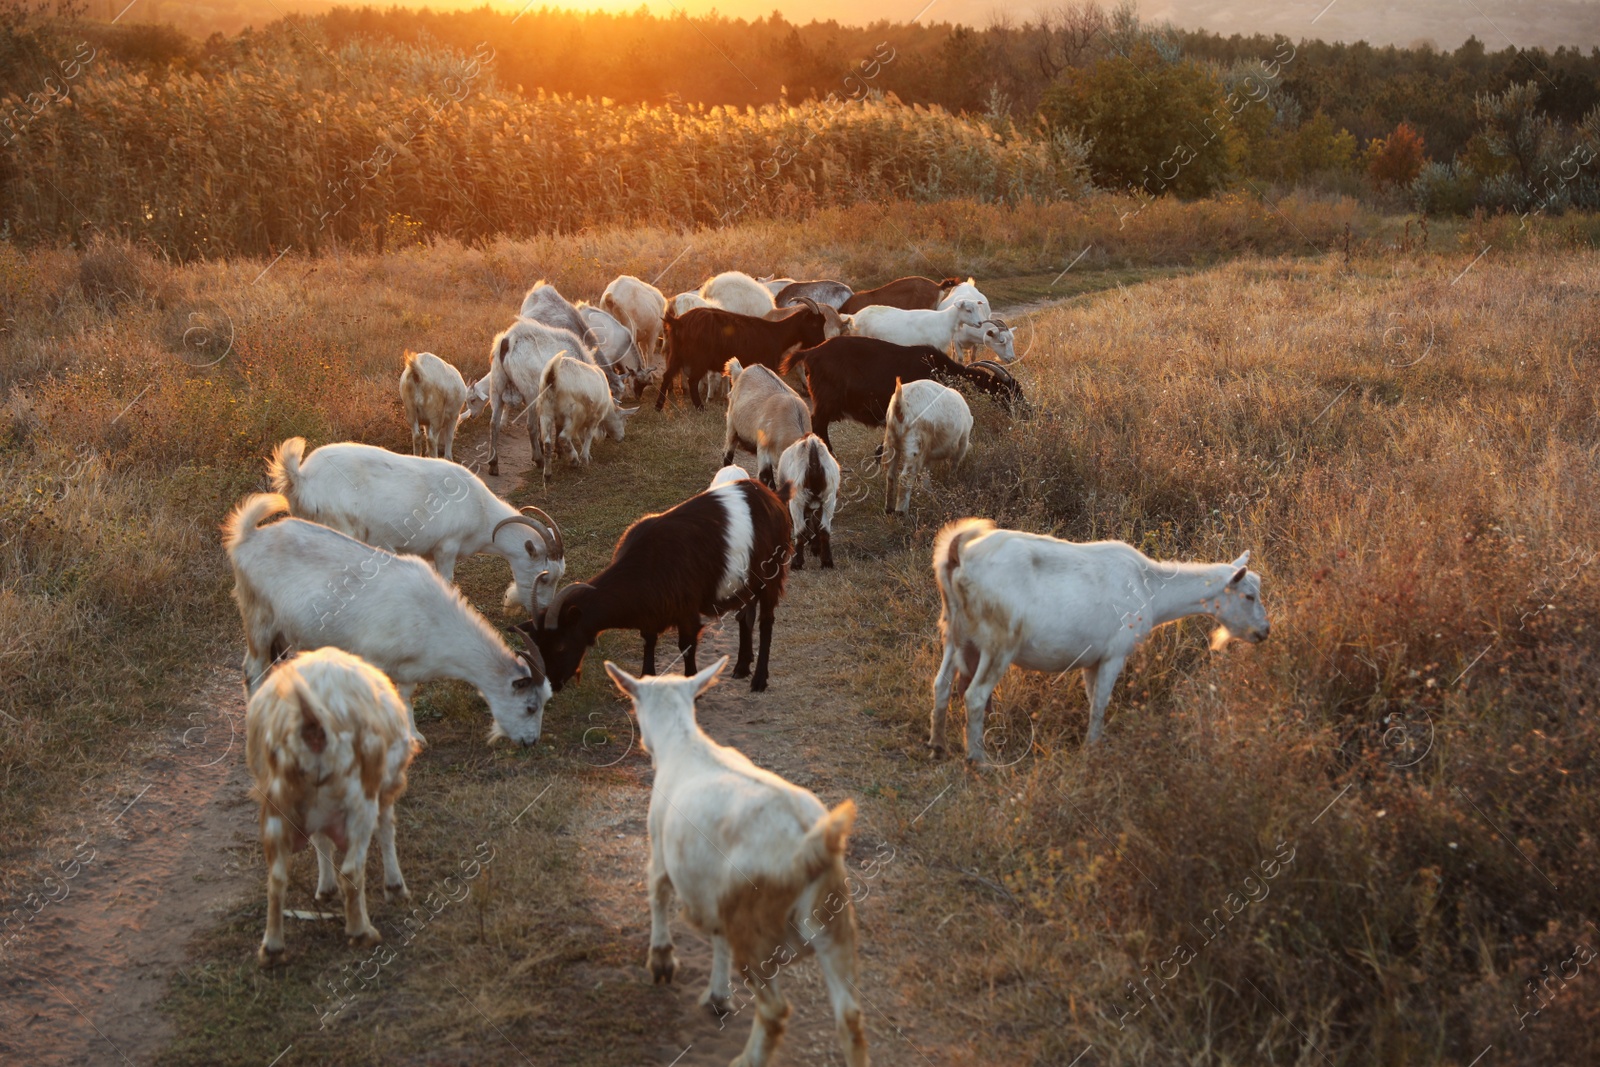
[(1404, 438)]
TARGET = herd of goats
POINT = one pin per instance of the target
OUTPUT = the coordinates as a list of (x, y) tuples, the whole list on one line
[(349, 603)]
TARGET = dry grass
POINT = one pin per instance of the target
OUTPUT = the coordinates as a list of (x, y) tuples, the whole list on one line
[(1422, 517)]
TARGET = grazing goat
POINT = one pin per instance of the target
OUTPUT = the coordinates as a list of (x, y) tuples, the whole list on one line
[(574, 407), (701, 342), (1052, 605), (822, 291), (726, 549), (718, 386), (302, 584), (685, 302), (966, 291), (544, 303), (423, 507), (854, 377), (912, 294), (927, 423), (765, 416), (935, 328), (639, 306), (811, 474), (731, 473), (736, 291), (756, 862), (432, 393), (516, 361), (327, 743), (993, 334), (615, 353)]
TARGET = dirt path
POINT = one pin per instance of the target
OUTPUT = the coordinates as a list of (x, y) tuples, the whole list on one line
[(154, 867)]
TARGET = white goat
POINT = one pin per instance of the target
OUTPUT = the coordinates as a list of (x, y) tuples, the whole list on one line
[(423, 507), (640, 307), (1051, 605), (302, 584), (765, 416), (544, 303), (926, 423), (432, 393), (993, 334), (736, 291), (729, 474), (327, 743), (574, 407), (516, 360), (615, 352), (812, 475), (966, 291), (902, 327), (757, 863)]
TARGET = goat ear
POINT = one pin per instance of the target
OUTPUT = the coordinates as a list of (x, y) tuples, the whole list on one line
[(1238, 576), (625, 681), (708, 677), (532, 553), (1243, 560)]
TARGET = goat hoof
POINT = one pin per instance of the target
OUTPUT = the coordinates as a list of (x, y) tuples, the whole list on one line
[(271, 957), (494, 469), (936, 750), (327, 896), (717, 1002), (663, 964), (396, 892), (827, 564), (758, 685), (741, 671), (368, 938)]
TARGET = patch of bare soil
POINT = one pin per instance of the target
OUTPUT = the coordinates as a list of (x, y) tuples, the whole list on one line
[(109, 920)]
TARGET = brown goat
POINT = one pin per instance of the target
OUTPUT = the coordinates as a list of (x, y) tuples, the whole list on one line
[(912, 294), (702, 340)]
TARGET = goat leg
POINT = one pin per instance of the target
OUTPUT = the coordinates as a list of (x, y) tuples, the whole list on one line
[(747, 617)]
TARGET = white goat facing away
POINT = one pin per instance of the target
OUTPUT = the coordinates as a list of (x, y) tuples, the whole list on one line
[(432, 392), (902, 327), (765, 416), (967, 290), (758, 864), (993, 334), (574, 407), (685, 302), (327, 743), (640, 307), (927, 423), (516, 361), (423, 507), (1052, 605), (812, 474), (736, 291), (301, 584)]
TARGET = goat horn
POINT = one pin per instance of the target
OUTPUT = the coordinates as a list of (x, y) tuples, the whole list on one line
[(1000, 323), (552, 614), (560, 545), (535, 661), (533, 524)]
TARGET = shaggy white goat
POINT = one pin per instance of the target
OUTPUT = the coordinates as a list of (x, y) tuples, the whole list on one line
[(736, 291), (301, 584), (902, 327), (574, 407), (424, 507), (765, 416), (758, 864), (927, 423), (327, 743), (1051, 605), (812, 474), (432, 393)]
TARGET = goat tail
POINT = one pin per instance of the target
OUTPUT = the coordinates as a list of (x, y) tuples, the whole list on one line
[(284, 467), (794, 359), (824, 843), (947, 549), (250, 514)]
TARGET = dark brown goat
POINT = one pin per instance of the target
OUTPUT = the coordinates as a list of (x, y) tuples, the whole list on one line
[(912, 294), (702, 340)]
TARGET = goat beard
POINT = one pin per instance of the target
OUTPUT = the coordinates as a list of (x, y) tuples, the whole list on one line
[(1220, 638)]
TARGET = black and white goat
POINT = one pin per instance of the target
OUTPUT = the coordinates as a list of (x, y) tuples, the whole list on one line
[(726, 549), (812, 476)]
